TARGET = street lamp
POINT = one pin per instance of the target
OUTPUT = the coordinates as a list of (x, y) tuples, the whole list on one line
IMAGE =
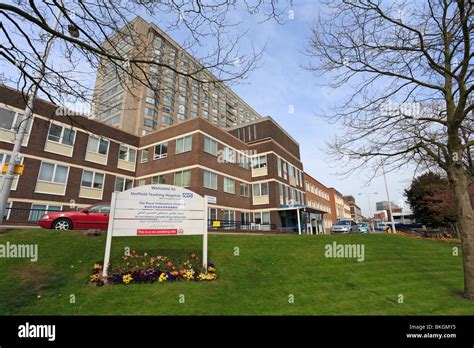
[(370, 209), (388, 199), (15, 155)]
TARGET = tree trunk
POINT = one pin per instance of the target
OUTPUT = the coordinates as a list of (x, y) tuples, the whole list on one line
[(459, 180)]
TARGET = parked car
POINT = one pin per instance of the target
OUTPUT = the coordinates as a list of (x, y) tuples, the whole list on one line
[(345, 226), (363, 227), (94, 217)]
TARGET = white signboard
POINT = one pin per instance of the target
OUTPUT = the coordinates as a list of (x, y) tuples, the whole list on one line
[(156, 210)]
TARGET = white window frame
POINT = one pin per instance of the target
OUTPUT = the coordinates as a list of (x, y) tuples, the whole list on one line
[(161, 154), (127, 156), (229, 183), (258, 192), (96, 151), (212, 175), (182, 176), (61, 137), (93, 180), (144, 159), (211, 145), (54, 173), (181, 144), (125, 179), (258, 163)]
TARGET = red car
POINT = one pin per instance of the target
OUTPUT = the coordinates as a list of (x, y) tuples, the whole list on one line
[(95, 216)]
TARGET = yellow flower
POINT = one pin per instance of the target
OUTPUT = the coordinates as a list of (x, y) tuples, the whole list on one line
[(163, 277), (209, 276), (127, 278), (94, 277), (97, 266), (188, 275), (211, 269)]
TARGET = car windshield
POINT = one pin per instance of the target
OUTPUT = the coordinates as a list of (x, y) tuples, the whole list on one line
[(362, 224), (343, 222)]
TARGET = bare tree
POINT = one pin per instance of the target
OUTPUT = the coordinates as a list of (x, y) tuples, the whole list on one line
[(408, 66), (89, 32)]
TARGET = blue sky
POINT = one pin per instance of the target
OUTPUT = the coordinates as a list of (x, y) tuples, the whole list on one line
[(282, 83)]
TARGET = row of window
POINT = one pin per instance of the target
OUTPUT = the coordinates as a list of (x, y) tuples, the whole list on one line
[(317, 205), (290, 195), (261, 217), (66, 136), (317, 191), (58, 174), (287, 170)]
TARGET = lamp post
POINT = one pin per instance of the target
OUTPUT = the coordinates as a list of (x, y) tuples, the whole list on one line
[(23, 119), (389, 203), (370, 209)]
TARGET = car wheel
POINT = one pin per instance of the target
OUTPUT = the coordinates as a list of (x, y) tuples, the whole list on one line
[(62, 225)]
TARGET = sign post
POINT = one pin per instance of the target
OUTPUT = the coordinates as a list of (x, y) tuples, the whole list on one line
[(156, 210)]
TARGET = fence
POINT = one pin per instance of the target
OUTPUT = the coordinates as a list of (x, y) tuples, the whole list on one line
[(25, 216)]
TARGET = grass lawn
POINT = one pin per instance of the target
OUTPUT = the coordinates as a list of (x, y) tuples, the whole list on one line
[(257, 282)]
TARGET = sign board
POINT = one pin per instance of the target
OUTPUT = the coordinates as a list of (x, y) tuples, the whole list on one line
[(291, 206), (156, 210), (216, 224), (211, 199), (18, 169)]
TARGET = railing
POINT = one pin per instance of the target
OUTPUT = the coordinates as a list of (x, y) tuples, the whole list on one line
[(24, 215), (239, 225)]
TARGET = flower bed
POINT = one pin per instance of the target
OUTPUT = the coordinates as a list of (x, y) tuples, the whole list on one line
[(136, 268)]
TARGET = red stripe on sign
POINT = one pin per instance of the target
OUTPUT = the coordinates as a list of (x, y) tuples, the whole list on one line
[(156, 232)]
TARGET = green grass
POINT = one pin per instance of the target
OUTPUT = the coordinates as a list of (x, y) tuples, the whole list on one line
[(258, 282)]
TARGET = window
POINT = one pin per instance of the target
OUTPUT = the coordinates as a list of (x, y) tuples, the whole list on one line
[(122, 184), (149, 123), (161, 151), (184, 144), (282, 198), (151, 112), (9, 119), (127, 154), (166, 119), (210, 146), (150, 100), (285, 173), (92, 179), (54, 173), (144, 156), (229, 155), (61, 135), (97, 145), (229, 215), (158, 179), (113, 121), (229, 185), (259, 162), (262, 218), (38, 210), (243, 161), (212, 214), (244, 189), (182, 178), (260, 189), (209, 180), (141, 182), (279, 166)]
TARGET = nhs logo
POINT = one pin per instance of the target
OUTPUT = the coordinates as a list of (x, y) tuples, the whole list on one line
[(187, 195)]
